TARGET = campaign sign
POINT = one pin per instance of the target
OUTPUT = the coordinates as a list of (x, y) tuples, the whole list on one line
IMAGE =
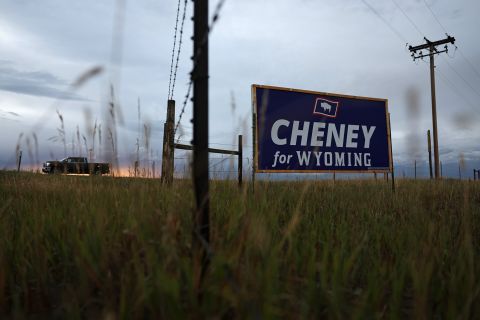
[(305, 131)]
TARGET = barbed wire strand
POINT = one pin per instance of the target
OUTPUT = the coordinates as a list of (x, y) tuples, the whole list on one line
[(215, 18), (220, 162), (184, 105), (179, 49), (173, 49)]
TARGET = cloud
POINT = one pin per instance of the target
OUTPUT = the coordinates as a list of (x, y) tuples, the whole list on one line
[(34, 83)]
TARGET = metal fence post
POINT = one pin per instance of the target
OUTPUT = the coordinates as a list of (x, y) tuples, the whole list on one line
[(240, 160), (199, 77)]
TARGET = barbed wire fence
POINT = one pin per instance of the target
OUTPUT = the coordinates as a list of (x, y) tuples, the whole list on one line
[(215, 18)]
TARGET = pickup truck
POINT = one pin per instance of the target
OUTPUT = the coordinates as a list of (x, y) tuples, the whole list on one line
[(78, 165)]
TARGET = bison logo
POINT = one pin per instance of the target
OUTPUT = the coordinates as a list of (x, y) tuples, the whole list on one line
[(326, 108)]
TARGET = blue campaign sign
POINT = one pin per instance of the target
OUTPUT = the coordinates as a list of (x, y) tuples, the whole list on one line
[(305, 131)]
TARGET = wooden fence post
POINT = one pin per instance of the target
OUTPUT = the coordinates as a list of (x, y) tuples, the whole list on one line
[(168, 141), (391, 153), (254, 149)]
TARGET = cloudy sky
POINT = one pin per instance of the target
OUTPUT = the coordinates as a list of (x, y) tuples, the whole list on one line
[(60, 59)]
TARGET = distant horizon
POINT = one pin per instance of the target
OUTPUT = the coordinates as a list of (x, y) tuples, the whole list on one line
[(450, 170)]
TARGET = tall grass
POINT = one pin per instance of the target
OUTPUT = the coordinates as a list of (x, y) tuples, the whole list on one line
[(90, 247)]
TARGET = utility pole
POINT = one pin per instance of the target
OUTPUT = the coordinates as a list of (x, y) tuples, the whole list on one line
[(429, 140), (432, 51), (200, 133)]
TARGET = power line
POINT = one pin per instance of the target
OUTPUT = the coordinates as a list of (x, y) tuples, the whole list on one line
[(434, 16), (432, 51), (444, 78), (473, 68), (422, 34), (469, 63), (454, 89), (406, 16), (461, 77), (457, 92), (398, 34)]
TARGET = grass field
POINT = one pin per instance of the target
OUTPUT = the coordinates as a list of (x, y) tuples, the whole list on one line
[(102, 247)]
